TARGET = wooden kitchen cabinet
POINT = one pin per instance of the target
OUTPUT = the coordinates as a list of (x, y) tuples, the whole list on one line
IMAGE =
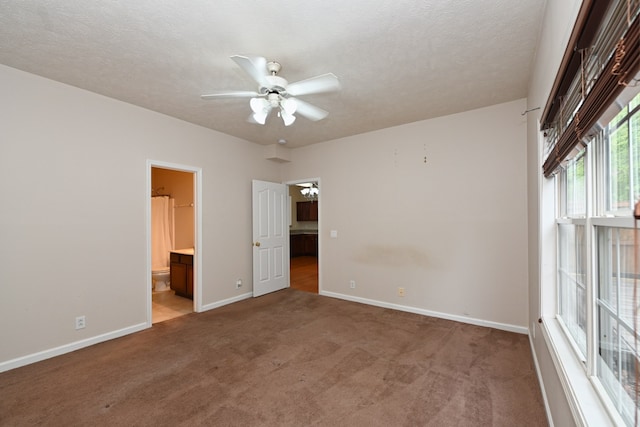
[(307, 211), (311, 244), (182, 274), (303, 245), (296, 245)]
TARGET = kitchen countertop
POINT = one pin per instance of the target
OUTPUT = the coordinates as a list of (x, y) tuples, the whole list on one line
[(303, 231), (188, 251)]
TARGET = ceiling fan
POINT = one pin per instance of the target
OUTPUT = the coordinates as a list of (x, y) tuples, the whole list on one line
[(274, 92)]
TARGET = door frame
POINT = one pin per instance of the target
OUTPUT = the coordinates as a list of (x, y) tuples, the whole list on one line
[(197, 258), (319, 201)]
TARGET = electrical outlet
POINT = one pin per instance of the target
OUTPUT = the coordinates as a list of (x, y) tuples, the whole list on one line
[(238, 283), (81, 322), (352, 284), (400, 292)]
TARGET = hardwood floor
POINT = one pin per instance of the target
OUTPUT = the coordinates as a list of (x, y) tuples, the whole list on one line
[(304, 273)]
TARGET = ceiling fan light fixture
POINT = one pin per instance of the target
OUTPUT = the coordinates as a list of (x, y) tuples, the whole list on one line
[(275, 92), (261, 116), (287, 118), (289, 105), (259, 105), (310, 192), (273, 100)]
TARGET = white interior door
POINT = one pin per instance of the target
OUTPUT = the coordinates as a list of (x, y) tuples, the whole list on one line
[(270, 237)]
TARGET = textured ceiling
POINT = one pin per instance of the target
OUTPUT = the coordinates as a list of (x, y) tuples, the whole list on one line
[(398, 61)]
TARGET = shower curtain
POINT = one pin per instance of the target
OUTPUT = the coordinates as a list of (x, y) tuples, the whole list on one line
[(162, 231)]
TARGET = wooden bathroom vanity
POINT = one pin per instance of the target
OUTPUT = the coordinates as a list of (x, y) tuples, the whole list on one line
[(182, 272)]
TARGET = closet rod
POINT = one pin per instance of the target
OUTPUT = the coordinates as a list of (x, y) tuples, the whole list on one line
[(189, 205)]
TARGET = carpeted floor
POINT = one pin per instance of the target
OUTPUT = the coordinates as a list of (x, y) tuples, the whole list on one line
[(290, 358)]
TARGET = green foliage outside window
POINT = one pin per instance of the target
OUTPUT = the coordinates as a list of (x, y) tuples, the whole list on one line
[(624, 157), (576, 189)]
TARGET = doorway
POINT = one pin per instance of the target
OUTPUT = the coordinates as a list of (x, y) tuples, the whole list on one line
[(173, 255), (304, 235)]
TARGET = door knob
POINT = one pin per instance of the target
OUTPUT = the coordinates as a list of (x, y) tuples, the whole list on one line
[(257, 243)]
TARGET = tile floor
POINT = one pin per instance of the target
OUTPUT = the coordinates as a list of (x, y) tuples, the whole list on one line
[(167, 305)]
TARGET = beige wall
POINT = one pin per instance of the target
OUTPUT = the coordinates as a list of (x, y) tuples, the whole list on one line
[(179, 185), (73, 180), (451, 231)]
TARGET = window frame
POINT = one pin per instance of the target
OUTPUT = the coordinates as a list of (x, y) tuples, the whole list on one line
[(597, 185), (614, 223), (634, 187)]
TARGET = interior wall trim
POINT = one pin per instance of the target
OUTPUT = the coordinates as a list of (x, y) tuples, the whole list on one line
[(68, 348), (543, 390), (587, 408), (227, 301), (197, 257), (462, 319)]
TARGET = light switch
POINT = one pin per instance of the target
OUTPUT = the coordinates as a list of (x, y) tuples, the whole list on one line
[(334, 234)]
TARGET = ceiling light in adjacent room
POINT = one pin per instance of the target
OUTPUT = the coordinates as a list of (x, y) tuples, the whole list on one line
[(310, 191)]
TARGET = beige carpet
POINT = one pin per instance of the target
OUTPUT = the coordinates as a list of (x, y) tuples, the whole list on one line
[(290, 358)]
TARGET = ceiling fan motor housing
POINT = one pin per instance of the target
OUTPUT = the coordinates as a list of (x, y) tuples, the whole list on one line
[(273, 67), (274, 84)]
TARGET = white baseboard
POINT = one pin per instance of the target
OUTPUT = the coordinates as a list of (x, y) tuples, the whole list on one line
[(547, 408), (227, 301), (68, 348), (462, 319), (57, 351)]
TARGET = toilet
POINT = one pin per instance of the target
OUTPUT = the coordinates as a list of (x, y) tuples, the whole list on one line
[(160, 279)]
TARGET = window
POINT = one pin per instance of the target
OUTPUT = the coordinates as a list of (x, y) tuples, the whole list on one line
[(616, 356), (572, 284), (597, 192), (576, 191), (624, 157)]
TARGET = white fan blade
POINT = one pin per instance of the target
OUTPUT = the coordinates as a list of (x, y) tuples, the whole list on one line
[(311, 112), (234, 94), (255, 66), (323, 83)]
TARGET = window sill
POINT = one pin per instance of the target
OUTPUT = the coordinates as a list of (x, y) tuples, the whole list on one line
[(585, 403)]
